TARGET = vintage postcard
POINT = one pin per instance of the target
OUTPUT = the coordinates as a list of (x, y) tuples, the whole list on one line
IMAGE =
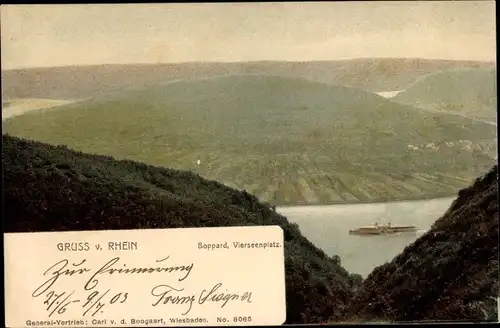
[(353, 144)]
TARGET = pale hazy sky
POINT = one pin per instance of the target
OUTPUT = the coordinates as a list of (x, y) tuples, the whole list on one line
[(57, 35)]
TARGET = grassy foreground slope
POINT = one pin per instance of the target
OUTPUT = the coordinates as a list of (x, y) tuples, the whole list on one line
[(374, 74), (470, 92), (450, 273), (287, 141), (49, 188)]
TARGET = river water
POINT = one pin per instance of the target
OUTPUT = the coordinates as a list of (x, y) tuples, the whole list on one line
[(327, 226), (389, 94)]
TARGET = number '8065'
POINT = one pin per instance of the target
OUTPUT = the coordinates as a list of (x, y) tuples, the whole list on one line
[(242, 319)]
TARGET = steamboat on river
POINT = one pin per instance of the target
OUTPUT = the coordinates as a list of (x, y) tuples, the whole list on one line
[(377, 229)]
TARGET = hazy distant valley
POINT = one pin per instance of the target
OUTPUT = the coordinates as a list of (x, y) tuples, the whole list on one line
[(290, 133)]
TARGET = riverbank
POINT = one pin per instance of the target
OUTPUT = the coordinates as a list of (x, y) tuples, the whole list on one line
[(395, 201)]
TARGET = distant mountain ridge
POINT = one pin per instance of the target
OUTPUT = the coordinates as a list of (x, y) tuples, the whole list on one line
[(372, 74), (286, 140)]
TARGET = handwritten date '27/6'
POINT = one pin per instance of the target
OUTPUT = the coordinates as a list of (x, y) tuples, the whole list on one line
[(91, 305)]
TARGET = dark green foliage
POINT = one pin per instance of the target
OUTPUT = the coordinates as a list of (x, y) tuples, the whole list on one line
[(48, 188), (450, 273)]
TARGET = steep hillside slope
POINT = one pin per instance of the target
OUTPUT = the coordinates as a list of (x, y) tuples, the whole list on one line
[(287, 141), (450, 273), (470, 92), (374, 74), (49, 188)]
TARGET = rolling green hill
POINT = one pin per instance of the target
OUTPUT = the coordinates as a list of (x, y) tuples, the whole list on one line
[(450, 273), (374, 74), (49, 188), (288, 141), (470, 92)]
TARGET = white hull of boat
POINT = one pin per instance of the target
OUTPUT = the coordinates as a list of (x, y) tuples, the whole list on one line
[(384, 230)]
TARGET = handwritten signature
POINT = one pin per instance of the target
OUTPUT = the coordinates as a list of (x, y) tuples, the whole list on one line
[(166, 294)]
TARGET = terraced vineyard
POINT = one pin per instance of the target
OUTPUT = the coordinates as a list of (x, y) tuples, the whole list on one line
[(308, 181), (288, 141)]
